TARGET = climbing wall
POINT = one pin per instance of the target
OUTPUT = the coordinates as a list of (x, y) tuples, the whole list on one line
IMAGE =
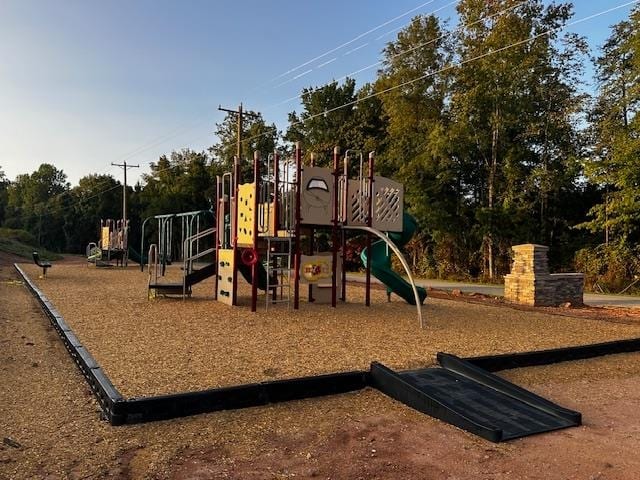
[(246, 202), (106, 238), (225, 276)]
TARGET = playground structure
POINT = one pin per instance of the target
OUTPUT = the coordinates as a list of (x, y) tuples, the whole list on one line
[(269, 232), (266, 225), (112, 245)]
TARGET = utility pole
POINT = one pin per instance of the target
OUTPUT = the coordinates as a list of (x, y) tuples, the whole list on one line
[(240, 117), (124, 166)]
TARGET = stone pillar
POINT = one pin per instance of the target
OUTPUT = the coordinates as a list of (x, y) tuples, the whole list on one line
[(530, 282)]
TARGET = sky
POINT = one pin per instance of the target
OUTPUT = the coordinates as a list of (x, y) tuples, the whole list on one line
[(87, 83)]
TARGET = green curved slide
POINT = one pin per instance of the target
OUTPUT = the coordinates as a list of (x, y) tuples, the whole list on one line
[(381, 262)]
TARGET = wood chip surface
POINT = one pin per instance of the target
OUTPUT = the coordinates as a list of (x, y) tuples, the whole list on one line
[(167, 345)]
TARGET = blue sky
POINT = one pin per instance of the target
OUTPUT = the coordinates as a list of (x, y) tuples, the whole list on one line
[(84, 83)]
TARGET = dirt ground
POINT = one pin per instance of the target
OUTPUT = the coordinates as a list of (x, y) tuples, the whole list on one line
[(50, 424)]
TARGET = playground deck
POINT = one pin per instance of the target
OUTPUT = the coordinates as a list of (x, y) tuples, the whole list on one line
[(170, 345)]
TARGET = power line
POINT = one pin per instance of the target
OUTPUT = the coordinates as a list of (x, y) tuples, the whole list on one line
[(454, 65), (184, 128), (413, 49), (60, 209), (124, 167), (355, 39), (357, 48)]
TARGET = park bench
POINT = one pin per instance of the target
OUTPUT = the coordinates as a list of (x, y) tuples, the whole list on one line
[(40, 263)]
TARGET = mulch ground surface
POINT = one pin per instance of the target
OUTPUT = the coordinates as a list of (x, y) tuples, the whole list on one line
[(51, 427)]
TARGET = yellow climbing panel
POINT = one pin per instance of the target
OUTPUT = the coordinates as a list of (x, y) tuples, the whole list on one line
[(225, 276), (246, 201)]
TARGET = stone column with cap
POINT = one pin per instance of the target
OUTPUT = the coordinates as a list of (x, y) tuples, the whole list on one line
[(530, 282)]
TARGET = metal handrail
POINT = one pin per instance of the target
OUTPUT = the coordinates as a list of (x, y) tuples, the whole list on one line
[(188, 260), (152, 259), (402, 259)]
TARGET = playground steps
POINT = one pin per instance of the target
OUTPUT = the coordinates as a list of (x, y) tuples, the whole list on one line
[(278, 263), (190, 279), (169, 288), (198, 276), (473, 399)]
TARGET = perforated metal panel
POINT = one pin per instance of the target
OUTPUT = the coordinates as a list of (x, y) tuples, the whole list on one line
[(387, 205), (357, 203)]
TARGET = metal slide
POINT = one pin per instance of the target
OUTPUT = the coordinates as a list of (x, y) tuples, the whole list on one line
[(381, 263)]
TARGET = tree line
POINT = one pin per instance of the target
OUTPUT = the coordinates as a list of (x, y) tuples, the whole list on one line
[(489, 125)]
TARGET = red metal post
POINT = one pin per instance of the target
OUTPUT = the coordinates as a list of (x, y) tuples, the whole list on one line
[(256, 205), (345, 216), (217, 238), (334, 230), (276, 193), (234, 242), (310, 251), (369, 224), (296, 239)]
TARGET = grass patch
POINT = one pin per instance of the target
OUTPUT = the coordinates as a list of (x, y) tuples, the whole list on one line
[(23, 244)]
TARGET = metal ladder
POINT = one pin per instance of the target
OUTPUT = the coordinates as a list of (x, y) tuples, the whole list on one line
[(279, 266)]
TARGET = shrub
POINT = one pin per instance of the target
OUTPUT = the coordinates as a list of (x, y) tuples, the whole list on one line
[(609, 268)]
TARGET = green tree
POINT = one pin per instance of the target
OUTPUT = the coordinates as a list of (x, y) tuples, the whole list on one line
[(4, 185), (326, 119), (95, 198), (257, 137), (414, 86), (183, 182), (614, 163), (412, 94), (34, 203), (514, 127)]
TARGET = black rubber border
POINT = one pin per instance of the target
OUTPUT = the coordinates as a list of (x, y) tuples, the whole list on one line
[(118, 410), (107, 395), (507, 361)]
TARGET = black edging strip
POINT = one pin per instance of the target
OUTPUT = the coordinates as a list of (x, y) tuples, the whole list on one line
[(119, 410), (495, 363), (107, 395), (163, 407)]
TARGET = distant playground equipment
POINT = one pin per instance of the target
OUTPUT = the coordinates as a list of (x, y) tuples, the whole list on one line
[(180, 242), (268, 231), (112, 246)]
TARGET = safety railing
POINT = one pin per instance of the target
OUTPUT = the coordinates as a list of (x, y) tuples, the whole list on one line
[(188, 248)]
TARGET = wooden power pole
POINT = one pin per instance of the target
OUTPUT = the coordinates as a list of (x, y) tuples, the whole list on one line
[(239, 128), (124, 166)]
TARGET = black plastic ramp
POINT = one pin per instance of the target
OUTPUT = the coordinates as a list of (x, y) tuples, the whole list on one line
[(474, 400)]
